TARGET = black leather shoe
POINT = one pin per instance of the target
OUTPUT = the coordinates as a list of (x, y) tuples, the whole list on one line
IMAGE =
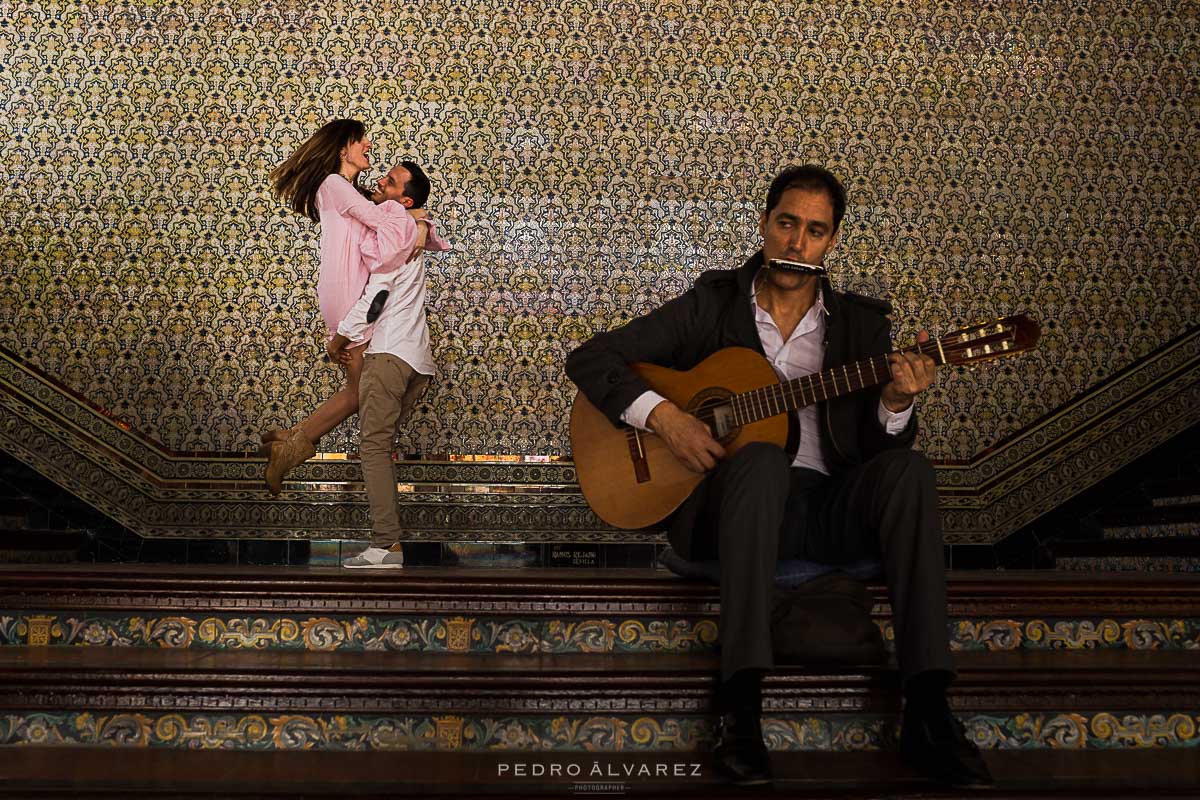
[(740, 756), (936, 745)]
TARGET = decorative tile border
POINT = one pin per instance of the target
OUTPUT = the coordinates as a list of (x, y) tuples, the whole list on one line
[(1073, 448), (161, 494), (1152, 530), (358, 633), (1074, 634), (1128, 563), (463, 634), (1104, 730), (1182, 500), (830, 733)]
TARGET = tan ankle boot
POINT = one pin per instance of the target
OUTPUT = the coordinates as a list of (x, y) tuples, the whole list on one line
[(285, 455), (276, 435), (273, 435)]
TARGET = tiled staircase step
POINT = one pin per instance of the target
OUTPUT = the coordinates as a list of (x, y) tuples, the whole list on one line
[(155, 773), (1181, 514), (167, 698), (1161, 547), (1154, 530), (577, 591), (41, 539), (1157, 557), (33, 546), (1180, 491), (126, 678), (1159, 565), (13, 511), (542, 611)]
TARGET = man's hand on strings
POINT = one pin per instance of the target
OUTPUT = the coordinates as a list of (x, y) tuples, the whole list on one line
[(912, 373), (687, 437)]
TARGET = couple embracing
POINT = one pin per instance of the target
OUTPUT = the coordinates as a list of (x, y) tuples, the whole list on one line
[(371, 291)]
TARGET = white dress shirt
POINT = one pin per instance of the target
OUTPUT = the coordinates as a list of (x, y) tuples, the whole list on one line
[(401, 328), (801, 354)]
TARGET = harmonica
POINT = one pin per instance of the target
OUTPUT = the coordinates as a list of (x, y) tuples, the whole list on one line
[(797, 266)]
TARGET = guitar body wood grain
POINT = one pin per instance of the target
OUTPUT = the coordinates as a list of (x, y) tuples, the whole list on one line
[(605, 455)]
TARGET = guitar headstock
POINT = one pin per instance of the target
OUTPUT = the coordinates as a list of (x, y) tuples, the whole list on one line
[(1001, 337)]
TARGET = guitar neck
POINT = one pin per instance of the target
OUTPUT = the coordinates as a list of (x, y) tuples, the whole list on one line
[(781, 398), (1005, 336)]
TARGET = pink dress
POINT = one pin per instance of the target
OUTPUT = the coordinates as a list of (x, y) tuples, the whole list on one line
[(347, 220)]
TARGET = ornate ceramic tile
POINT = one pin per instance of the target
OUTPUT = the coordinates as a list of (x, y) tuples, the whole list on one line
[(461, 634), (831, 733), (507, 500), (1129, 564), (455, 634), (1075, 634), (1153, 531), (589, 160)]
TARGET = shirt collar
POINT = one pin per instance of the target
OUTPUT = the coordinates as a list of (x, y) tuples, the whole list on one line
[(819, 305)]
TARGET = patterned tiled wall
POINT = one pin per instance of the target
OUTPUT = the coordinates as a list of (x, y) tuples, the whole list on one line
[(589, 160)]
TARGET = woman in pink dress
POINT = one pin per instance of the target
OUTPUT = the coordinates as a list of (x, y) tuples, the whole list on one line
[(318, 181)]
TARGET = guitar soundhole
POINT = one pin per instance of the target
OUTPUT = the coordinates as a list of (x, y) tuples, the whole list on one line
[(712, 407)]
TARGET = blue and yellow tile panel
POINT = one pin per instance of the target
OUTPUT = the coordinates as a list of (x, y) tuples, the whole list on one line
[(600, 733), (454, 634), (460, 634)]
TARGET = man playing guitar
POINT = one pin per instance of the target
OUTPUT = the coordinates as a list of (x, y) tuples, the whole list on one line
[(852, 489)]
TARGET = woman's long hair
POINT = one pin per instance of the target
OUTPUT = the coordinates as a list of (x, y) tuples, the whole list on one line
[(297, 180)]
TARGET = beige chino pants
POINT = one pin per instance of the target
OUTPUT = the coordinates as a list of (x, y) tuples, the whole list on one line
[(387, 392)]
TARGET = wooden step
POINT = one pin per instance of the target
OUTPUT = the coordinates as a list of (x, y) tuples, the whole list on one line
[(157, 773), (1163, 547), (41, 546), (1156, 557), (311, 680), (1174, 492), (1154, 531), (347, 701), (1147, 564), (1180, 514), (542, 611), (41, 539), (180, 586), (13, 511)]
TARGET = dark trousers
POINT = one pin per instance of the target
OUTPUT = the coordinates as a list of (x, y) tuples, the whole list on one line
[(760, 510)]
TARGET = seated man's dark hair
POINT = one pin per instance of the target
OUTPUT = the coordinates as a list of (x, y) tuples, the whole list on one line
[(418, 184), (811, 177)]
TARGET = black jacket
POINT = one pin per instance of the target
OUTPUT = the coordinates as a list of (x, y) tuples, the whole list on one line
[(716, 313)]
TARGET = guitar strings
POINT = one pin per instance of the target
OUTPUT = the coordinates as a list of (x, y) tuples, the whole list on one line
[(772, 399)]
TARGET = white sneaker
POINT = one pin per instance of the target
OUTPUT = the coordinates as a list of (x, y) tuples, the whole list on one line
[(376, 558)]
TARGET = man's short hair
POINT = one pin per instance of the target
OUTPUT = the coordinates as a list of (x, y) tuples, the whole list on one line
[(418, 184), (812, 178)]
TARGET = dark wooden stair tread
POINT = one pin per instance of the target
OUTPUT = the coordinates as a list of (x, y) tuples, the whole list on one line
[(302, 660), (1161, 546), (41, 539), (165, 665), (566, 591), (154, 772), (1149, 515), (1172, 487)]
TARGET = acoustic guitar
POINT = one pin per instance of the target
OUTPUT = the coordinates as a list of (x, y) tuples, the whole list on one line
[(630, 478)]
